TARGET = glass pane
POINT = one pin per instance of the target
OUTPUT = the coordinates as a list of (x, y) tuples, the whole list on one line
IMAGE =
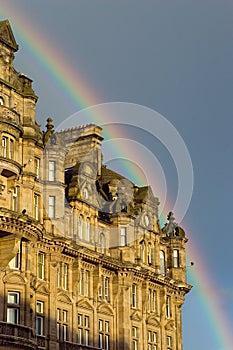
[(79, 336), (100, 325), (79, 320), (86, 321), (13, 298), (40, 307), (13, 315)]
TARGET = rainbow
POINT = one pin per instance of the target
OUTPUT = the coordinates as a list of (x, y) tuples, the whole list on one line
[(210, 300), (77, 90)]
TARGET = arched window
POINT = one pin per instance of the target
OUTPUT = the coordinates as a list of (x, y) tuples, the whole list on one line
[(88, 230), (80, 226), (1, 101), (162, 263)]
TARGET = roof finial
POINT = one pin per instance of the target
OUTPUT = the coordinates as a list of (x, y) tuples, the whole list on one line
[(49, 130), (171, 225)]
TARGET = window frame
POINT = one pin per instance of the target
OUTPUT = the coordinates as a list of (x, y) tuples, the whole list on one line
[(104, 334), (13, 307), (52, 172), (52, 207), (37, 167), (123, 236), (134, 295), (176, 258), (36, 206), (162, 262), (15, 262), (41, 265), (40, 318)]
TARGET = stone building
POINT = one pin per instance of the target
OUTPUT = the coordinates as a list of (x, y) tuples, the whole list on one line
[(84, 263)]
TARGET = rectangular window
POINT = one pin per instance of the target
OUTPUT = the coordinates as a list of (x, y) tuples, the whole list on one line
[(65, 276), (86, 282), (176, 258), (13, 307), (15, 198), (88, 230), (104, 335), (36, 206), (123, 237), (62, 325), (39, 318), (81, 281), (80, 226), (106, 288), (52, 207), (79, 336), (168, 306), (41, 265), (152, 340), (65, 332), (16, 261), (162, 263), (83, 329), (4, 146), (59, 275), (134, 338), (11, 149), (7, 147), (169, 342), (51, 170), (101, 289), (134, 295), (154, 301), (37, 167), (149, 301), (149, 254)]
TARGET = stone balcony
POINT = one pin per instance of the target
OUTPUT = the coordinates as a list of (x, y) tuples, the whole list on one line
[(17, 336), (13, 227), (8, 115)]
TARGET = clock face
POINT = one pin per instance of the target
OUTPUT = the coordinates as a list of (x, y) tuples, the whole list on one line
[(85, 193), (146, 220)]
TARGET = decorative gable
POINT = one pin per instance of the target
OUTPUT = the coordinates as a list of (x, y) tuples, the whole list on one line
[(105, 309), (152, 320), (170, 326), (14, 278), (6, 35), (84, 304), (42, 288), (136, 316), (64, 298)]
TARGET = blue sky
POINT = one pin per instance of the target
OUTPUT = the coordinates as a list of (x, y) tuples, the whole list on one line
[(175, 57)]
